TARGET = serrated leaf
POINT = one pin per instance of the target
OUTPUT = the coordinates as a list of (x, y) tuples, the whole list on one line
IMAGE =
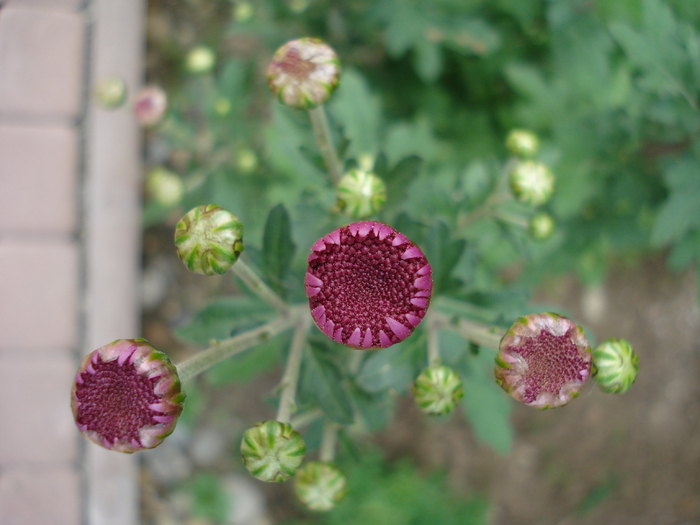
[(323, 381), (390, 368), (278, 246)]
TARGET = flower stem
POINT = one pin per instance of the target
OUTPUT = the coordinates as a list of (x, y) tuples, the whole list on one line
[(291, 372), (434, 326), (251, 279), (220, 350), (328, 441), (319, 122)]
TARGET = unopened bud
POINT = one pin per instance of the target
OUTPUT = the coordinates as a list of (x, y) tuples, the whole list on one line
[(150, 105), (126, 396), (543, 360), (200, 60), (110, 92), (522, 143), (541, 226), (209, 239), (164, 187), (272, 451), (361, 193), (437, 390), (615, 366), (304, 73), (243, 11), (320, 485), (531, 182)]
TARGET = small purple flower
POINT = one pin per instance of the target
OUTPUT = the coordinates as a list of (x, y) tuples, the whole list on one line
[(368, 285), (126, 396), (544, 360)]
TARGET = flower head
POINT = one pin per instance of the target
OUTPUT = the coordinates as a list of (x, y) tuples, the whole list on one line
[(126, 396), (272, 451), (304, 73), (361, 193), (522, 143), (541, 226), (209, 239), (164, 186), (368, 285), (150, 105), (320, 485), (437, 390), (543, 360), (615, 366), (532, 182)]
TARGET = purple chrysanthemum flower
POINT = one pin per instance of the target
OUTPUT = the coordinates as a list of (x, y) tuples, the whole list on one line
[(368, 285), (544, 360), (126, 396)]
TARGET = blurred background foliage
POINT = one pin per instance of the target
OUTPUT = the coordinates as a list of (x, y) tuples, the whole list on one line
[(428, 93)]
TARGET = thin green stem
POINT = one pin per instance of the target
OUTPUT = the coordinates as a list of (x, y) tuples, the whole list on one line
[(251, 279), (322, 130), (290, 378), (482, 334), (306, 418), (328, 441), (220, 350), (433, 339)]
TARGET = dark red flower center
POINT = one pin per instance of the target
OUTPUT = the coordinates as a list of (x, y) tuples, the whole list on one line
[(368, 285), (552, 362), (293, 64), (114, 400)]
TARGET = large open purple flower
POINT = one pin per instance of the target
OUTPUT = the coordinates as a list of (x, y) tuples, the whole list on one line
[(544, 360), (126, 396), (368, 285)]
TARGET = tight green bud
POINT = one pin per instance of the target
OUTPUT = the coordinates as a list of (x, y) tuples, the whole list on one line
[(531, 182), (361, 193), (209, 239), (111, 92), (164, 187), (304, 73), (615, 366), (272, 451), (320, 485), (437, 390), (522, 143), (200, 60), (541, 226)]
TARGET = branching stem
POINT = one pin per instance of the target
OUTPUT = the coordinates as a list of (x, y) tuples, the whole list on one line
[(328, 441), (291, 371), (253, 281), (322, 130)]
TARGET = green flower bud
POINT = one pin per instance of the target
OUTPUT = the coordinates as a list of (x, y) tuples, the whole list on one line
[(243, 11), (615, 366), (110, 92), (200, 60), (361, 193), (126, 396), (272, 451), (304, 73), (541, 226), (209, 239), (543, 360), (522, 143), (246, 160), (531, 182), (437, 390), (320, 485), (164, 187)]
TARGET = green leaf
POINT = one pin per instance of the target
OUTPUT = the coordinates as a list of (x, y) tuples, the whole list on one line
[(223, 316), (323, 381), (209, 500), (486, 406), (443, 255), (391, 368), (428, 60), (681, 211), (278, 246), (245, 366), (399, 179)]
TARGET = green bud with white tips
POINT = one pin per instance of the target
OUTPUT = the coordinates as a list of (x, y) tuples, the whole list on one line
[(522, 143), (361, 193), (541, 226), (615, 366), (209, 239), (437, 390), (272, 451), (320, 485), (531, 182)]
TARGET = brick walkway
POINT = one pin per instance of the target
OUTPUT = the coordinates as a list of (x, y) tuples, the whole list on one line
[(69, 239)]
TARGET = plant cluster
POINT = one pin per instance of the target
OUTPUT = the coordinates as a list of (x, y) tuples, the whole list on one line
[(377, 304)]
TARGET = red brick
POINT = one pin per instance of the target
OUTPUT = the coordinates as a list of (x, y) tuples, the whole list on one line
[(38, 295), (41, 62), (38, 172)]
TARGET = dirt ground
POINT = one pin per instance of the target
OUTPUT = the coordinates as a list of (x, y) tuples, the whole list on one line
[(631, 459)]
